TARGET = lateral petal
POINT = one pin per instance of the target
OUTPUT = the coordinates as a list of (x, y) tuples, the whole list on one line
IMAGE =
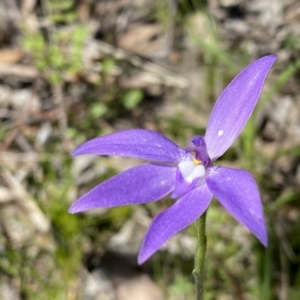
[(140, 184), (169, 222), (140, 143), (235, 105), (237, 191)]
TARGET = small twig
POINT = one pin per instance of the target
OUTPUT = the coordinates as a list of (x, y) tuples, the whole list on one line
[(36, 215), (156, 73), (19, 71), (21, 120), (62, 117)]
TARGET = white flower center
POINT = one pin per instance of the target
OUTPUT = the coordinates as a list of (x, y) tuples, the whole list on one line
[(190, 170)]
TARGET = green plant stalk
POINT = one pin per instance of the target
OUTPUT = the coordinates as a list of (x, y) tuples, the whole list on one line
[(200, 256)]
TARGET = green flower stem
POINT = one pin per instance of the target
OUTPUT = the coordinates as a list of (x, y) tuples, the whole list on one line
[(200, 256)]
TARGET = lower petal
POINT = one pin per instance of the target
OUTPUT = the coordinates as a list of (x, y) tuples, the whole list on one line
[(140, 184), (169, 222), (237, 191)]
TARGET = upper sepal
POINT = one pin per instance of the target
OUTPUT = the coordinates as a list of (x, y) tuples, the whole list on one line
[(235, 105)]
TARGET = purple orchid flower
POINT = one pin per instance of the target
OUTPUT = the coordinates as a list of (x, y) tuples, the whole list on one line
[(189, 175)]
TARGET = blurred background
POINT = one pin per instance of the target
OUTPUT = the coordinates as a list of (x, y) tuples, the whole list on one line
[(74, 70)]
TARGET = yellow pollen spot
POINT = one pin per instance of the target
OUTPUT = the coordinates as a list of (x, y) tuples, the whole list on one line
[(196, 161)]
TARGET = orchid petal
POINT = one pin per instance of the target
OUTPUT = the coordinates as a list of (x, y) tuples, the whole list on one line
[(140, 143), (182, 186), (187, 176), (235, 105), (166, 224), (141, 184), (237, 191)]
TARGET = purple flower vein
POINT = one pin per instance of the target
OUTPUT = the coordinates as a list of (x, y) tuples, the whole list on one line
[(189, 175)]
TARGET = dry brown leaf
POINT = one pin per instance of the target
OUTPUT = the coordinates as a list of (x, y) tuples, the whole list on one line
[(10, 56)]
